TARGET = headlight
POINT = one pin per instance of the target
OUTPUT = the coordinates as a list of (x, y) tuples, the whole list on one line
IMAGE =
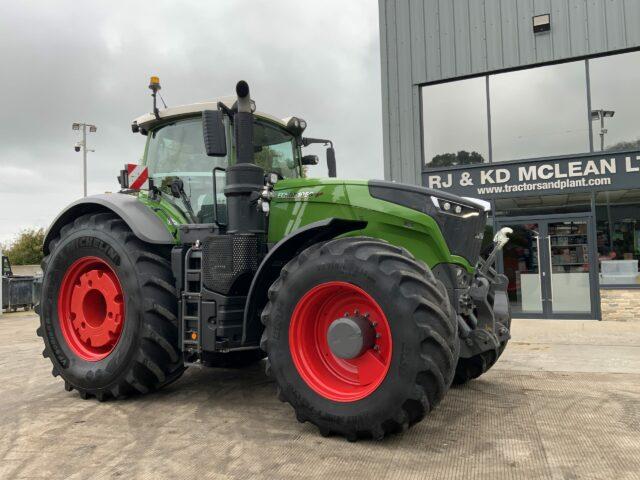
[(450, 207)]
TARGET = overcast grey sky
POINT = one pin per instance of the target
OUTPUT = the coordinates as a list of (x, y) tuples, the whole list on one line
[(90, 61)]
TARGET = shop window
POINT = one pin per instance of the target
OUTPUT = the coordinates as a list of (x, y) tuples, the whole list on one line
[(454, 126), (615, 102), (618, 236), (539, 112)]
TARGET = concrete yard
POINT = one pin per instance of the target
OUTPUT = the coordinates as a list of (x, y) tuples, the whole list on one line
[(562, 403)]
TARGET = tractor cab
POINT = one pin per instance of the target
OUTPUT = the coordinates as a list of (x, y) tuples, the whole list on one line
[(181, 170)]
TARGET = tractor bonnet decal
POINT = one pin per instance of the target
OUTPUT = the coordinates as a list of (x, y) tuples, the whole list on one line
[(138, 177)]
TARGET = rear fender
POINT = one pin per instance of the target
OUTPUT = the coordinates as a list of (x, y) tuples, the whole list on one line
[(140, 219), (280, 254)]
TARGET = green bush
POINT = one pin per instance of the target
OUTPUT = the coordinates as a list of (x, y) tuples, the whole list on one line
[(27, 248)]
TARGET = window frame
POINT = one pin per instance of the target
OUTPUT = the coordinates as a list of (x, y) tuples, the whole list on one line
[(585, 59)]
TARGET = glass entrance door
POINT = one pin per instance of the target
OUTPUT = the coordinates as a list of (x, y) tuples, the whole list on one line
[(569, 266), (549, 263), (521, 264)]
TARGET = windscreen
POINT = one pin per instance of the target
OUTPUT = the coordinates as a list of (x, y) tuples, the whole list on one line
[(176, 150)]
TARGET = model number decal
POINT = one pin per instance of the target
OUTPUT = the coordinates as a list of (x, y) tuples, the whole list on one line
[(297, 196)]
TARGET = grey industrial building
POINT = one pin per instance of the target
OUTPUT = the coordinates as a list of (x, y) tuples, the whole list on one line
[(533, 105)]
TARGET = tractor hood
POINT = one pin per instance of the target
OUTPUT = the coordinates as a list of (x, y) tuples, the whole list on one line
[(455, 224), (461, 220)]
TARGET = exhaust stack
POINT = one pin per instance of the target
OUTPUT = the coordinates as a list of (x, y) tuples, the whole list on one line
[(245, 179)]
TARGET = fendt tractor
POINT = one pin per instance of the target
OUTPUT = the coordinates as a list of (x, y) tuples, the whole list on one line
[(367, 298)]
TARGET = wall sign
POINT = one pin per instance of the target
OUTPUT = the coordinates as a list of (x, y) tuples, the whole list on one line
[(578, 174)]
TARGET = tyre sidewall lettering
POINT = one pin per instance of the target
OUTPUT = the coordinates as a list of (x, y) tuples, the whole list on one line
[(91, 242)]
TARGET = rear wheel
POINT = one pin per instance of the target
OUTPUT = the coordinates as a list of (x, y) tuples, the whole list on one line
[(108, 310), (360, 336)]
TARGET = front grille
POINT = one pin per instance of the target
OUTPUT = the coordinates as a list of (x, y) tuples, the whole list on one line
[(463, 235), (228, 260)]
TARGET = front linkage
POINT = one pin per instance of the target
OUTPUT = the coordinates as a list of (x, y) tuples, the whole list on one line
[(484, 316)]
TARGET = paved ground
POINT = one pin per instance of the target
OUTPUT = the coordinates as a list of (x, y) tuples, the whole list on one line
[(562, 403)]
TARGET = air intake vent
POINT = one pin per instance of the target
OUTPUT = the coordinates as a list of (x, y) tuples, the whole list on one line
[(230, 261)]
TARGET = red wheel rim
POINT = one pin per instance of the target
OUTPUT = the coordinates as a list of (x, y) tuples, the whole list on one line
[(91, 308), (336, 378)]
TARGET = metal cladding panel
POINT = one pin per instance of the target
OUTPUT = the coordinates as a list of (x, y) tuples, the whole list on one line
[(418, 45), (509, 20), (614, 18), (477, 37), (424, 41), (561, 38), (406, 103), (526, 42), (493, 29), (631, 15), (462, 36), (447, 38), (432, 43)]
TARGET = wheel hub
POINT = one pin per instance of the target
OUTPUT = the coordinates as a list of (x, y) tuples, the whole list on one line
[(340, 341), (349, 337), (91, 308)]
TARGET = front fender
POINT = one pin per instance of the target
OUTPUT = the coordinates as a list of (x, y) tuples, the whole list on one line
[(281, 253), (140, 219)]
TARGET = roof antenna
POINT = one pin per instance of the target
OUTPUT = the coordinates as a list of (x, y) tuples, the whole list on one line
[(165, 105)]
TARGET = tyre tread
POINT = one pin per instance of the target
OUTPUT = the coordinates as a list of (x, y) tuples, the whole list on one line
[(157, 361), (438, 356)]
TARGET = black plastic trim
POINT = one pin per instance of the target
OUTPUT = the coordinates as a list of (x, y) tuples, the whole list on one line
[(283, 251)]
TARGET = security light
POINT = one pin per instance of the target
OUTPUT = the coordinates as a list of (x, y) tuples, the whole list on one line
[(75, 126), (601, 114), (597, 114), (92, 128), (542, 23)]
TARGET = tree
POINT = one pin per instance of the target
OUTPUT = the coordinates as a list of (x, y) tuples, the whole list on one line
[(461, 158), (27, 248), (623, 146)]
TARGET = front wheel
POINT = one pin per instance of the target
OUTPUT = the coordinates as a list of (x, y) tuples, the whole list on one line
[(361, 337)]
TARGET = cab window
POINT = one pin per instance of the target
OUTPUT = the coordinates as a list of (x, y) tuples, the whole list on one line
[(275, 150), (176, 150)]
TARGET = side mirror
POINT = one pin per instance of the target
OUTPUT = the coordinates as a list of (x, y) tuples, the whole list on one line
[(310, 160), (177, 187), (215, 139), (331, 162)]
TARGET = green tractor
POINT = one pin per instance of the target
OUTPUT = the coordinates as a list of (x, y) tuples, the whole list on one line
[(368, 298)]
